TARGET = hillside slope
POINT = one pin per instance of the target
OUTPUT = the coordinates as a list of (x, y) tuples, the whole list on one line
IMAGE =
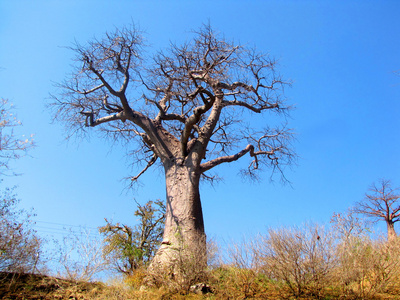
[(34, 286)]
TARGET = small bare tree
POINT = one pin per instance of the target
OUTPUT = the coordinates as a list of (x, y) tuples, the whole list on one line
[(382, 203), (302, 258), (191, 107), (11, 147), (20, 247), (348, 225), (79, 255)]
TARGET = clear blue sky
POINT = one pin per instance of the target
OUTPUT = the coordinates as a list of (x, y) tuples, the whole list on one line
[(341, 56)]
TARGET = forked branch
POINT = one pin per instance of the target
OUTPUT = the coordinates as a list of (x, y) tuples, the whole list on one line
[(149, 164)]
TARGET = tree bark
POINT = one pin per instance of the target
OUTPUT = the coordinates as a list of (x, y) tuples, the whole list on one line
[(390, 230), (184, 225)]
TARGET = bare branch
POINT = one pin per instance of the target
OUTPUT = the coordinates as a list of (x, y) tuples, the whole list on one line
[(215, 162), (193, 120), (149, 164), (92, 123), (251, 107), (11, 146), (84, 92)]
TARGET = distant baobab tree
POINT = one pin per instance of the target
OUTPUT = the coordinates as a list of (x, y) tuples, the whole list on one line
[(382, 203)]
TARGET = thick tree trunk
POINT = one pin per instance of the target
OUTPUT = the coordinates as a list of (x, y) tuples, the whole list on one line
[(184, 235), (390, 230)]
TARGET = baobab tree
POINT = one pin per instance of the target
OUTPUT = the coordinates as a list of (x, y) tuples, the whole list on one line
[(382, 203), (191, 108)]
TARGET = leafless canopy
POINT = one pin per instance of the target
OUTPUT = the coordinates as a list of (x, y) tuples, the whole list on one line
[(11, 146), (192, 101), (381, 203)]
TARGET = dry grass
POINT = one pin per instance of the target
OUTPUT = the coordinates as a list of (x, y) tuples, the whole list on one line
[(34, 286), (309, 262), (188, 269)]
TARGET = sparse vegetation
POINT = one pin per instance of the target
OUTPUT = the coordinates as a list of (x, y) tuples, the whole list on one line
[(79, 256), (307, 262), (20, 249)]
